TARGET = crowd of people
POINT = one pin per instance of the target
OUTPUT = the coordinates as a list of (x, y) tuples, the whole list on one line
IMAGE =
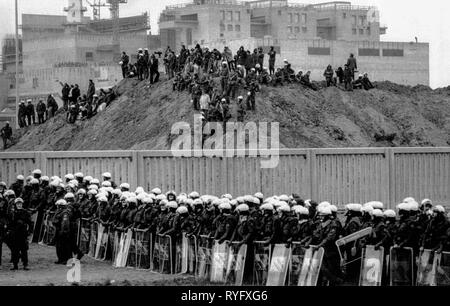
[(82, 107), (239, 75), (276, 219)]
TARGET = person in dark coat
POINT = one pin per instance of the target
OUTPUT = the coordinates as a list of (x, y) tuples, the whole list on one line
[(272, 54), (154, 66), (31, 117), (41, 109), (65, 94), (91, 91), (352, 65), (22, 115), (19, 227), (6, 134), (125, 60), (52, 106)]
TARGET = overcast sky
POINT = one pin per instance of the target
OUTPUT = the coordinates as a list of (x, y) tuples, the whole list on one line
[(429, 21)]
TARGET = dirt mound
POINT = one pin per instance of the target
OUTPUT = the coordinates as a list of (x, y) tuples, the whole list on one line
[(142, 117)]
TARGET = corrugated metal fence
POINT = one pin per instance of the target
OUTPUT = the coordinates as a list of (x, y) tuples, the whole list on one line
[(340, 176)]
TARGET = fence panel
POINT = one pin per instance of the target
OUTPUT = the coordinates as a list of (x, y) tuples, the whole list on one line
[(352, 176), (340, 176), (421, 173), (13, 164)]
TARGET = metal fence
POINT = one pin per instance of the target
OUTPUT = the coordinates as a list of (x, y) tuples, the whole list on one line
[(340, 176)]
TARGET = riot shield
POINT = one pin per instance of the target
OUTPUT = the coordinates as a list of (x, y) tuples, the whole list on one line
[(119, 251), (311, 265), (426, 269), (236, 264), (34, 217), (93, 240), (443, 269), (85, 232), (103, 244), (261, 263), (115, 245), (219, 260), (48, 230), (192, 254), (371, 266), (132, 251), (204, 257), (143, 249), (279, 264), (100, 230), (295, 265), (401, 267), (182, 255), (162, 255), (126, 248)]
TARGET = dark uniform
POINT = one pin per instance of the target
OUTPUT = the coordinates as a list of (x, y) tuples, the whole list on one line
[(19, 227)]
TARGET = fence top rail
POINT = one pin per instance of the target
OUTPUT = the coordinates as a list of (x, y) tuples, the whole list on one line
[(219, 153)]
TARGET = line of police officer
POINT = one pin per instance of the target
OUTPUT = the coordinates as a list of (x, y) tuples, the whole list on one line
[(244, 219)]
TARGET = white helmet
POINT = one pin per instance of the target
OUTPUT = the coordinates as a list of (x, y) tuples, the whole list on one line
[(69, 196), (242, 208), (325, 210), (45, 178), (194, 194), (408, 199), (10, 193), (333, 208), (37, 171), (79, 175), (125, 186), (439, 208), (95, 181), (413, 206), (88, 178), (102, 198), (377, 213), (284, 207), (161, 197), (354, 207), (182, 210), (139, 190), (92, 191), (81, 191), (156, 191), (69, 176), (403, 206), (224, 205), (147, 200), (390, 213), (267, 206), (426, 201), (34, 182), (117, 192), (20, 177), (368, 209), (95, 187), (106, 184), (172, 204), (61, 203), (259, 195), (377, 205), (132, 200), (106, 175)]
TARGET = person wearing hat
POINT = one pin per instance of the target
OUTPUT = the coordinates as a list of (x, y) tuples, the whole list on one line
[(435, 234), (22, 114), (327, 239), (61, 221), (18, 185), (6, 134), (125, 60), (107, 177), (224, 223), (41, 110), (272, 55), (31, 117), (19, 226), (37, 203)]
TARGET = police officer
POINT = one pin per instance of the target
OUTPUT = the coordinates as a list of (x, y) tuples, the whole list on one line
[(436, 231), (19, 226), (18, 185), (224, 223), (63, 228)]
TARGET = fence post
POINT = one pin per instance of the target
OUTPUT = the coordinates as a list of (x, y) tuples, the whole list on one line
[(390, 154), (313, 174), (135, 169)]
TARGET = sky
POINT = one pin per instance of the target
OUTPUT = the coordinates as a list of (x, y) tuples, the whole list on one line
[(405, 20)]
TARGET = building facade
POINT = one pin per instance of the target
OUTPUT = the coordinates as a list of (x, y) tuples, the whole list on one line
[(309, 36)]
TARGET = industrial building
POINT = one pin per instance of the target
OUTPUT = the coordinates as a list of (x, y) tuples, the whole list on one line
[(71, 48), (309, 36)]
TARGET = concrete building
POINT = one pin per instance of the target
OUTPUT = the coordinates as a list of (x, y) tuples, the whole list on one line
[(309, 36), (203, 21), (72, 48)]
